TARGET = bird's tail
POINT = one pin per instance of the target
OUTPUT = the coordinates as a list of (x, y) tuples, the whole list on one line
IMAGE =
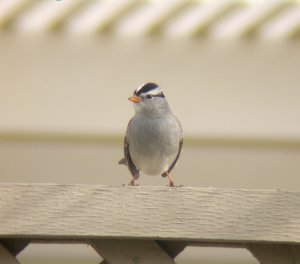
[(122, 162)]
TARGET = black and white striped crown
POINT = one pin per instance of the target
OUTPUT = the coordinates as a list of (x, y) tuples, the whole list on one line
[(149, 88)]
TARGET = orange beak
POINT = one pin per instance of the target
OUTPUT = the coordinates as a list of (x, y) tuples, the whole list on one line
[(134, 99)]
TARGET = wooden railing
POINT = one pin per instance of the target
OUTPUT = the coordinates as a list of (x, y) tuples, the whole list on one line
[(150, 224)]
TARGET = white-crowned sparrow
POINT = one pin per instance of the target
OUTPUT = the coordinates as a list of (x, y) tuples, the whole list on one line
[(153, 140)]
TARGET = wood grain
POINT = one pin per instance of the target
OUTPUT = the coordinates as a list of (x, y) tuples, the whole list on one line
[(36, 211)]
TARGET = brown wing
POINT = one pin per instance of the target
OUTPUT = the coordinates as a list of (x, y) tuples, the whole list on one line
[(132, 168), (176, 159), (127, 158)]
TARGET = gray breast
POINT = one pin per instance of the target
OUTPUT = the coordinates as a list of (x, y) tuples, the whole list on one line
[(153, 143)]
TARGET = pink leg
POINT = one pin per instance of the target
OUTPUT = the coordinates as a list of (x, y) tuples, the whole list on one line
[(170, 180), (135, 177), (132, 183)]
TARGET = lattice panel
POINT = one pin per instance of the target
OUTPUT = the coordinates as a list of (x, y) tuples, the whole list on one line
[(216, 19)]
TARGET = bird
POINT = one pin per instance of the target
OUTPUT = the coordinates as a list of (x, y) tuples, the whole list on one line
[(154, 138)]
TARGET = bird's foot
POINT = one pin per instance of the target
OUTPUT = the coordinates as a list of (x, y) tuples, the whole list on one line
[(170, 180), (132, 183)]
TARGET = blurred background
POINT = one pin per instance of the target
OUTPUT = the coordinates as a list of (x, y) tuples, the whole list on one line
[(229, 68)]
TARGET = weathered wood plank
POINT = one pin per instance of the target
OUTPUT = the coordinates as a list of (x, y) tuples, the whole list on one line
[(116, 251), (191, 214), (276, 254), (6, 257)]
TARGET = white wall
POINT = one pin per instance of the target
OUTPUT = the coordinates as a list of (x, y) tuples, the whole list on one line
[(60, 84)]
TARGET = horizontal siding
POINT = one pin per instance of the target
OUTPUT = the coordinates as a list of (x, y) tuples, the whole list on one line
[(238, 90)]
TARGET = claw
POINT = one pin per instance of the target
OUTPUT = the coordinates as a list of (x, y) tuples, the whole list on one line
[(134, 178), (132, 183)]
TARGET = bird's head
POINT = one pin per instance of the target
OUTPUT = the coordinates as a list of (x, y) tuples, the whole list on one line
[(148, 97)]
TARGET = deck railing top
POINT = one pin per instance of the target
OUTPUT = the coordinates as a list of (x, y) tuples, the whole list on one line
[(182, 213), (150, 224)]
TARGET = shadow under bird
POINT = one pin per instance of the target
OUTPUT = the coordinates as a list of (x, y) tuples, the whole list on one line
[(153, 140)]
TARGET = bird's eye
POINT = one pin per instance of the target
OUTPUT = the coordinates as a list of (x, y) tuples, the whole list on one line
[(149, 96)]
